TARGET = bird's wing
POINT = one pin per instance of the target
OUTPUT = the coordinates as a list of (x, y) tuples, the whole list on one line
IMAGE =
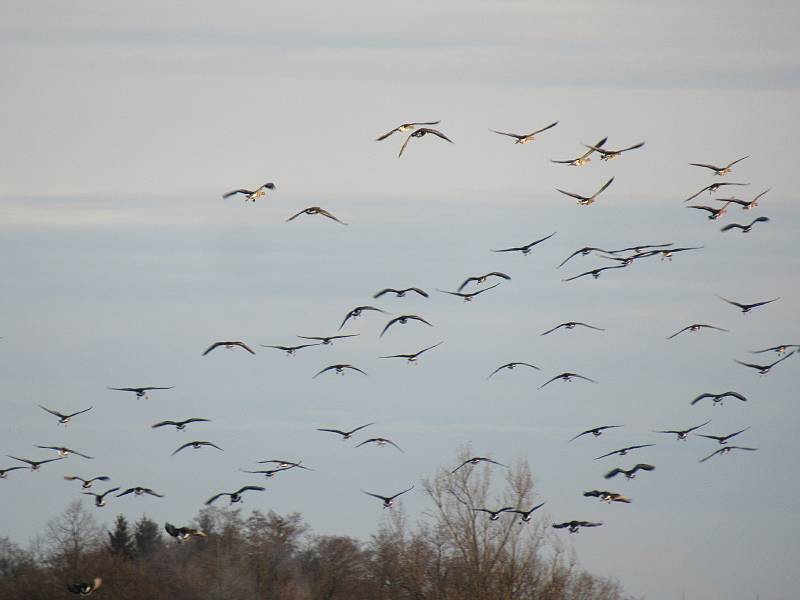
[(437, 133), (500, 368), (403, 492), (549, 381), (732, 226), (323, 370), (514, 135), (613, 473), (483, 290), (605, 185), (416, 318), (422, 293), (359, 428), (403, 147), (354, 368), (712, 454), (544, 128), (731, 302), (705, 166), (604, 455), (751, 306), (293, 217), (578, 196), (214, 498), (163, 423), (386, 135), (80, 454), (451, 472), (679, 332), (234, 192), (209, 349), (128, 491), (325, 213), (378, 496), (729, 165), (582, 377), (245, 346), (634, 147), (80, 412), (554, 328), (153, 493), (52, 412)]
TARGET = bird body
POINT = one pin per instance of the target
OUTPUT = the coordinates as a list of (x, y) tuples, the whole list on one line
[(388, 500), (252, 195), (696, 327), (526, 249), (180, 425), (99, 499), (346, 435), (64, 418), (718, 398), (606, 496), (475, 460), (196, 445), (236, 496), (746, 308), (412, 358), (683, 434), (379, 441), (315, 210), (763, 369), (571, 325), (420, 133), (470, 296), (229, 345), (587, 200), (574, 526), (745, 228), (183, 533), (525, 138), (511, 366), (83, 588), (720, 171), (482, 278), (566, 377), (629, 473), (624, 451), (356, 312), (339, 370), (141, 392), (402, 320)]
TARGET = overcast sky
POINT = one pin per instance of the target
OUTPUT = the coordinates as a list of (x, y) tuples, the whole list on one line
[(123, 124)]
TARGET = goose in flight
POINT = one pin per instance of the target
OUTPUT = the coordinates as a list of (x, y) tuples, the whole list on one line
[(180, 425), (595, 273), (572, 325), (624, 451), (87, 483), (412, 358), (196, 445), (63, 451), (35, 464), (722, 439), (746, 308), (629, 473), (315, 210), (379, 441), (494, 514), (524, 138), (718, 398), (640, 248), (745, 228), (401, 293), (339, 369), (711, 189), (356, 312), (585, 251), (606, 496), (388, 500), (405, 127), (583, 158), (526, 249), (237, 495), (720, 170), (667, 252), (696, 327), (780, 350), (763, 369), (420, 133), (346, 435), (141, 392), (251, 194), (574, 526), (228, 345), (183, 533), (725, 450), (566, 377), (469, 297), (475, 460), (62, 418), (587, 200), (284, 464), (525, 515), (595, 431), (510, 366), (482, 279), (683, 434), (290, 350), (746, 204), (714, 213), (139, 491), (268, 473), (100, 499), (4, 472), (403, 319), (83, 588), (612, 154), (327, 341)]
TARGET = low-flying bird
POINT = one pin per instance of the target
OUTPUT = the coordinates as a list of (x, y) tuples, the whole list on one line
[(720, 170), (780, 350), (725, 450), (237, 495), (180, 425), (722, 439), (524, 138), (624, 451), (583, 158), (511, 366), (327, 341), (412, 358), (405, 127), (388, 500), (595, 431), (746, 204), (574, 526), (100, 499), (606, 496), (141, 392), (251, 194), (35, 464), (420, 133), (683, 434), (585, 251), (62, 418), (696, 327), (183, 533), (667, 252), (87, 483), (315, 210), (196, 445), (268, 473), (4, 472), (629, 473), (571, 325), (711, 189), (290, 350), (379, 441), (640, 248), (718, 398), (339, 369), (139, 491), (346, 435), (612, 154), (746, 308), (745, 228), (526, 249), (525, 515), (399, 293), (482, 278), (83, 588), (587, 200), (494, 514), (63, 451), (714, 213), (356, 312), (763, 369), (595, 272), (284, 464), (475, 460), (469, 297), (403, 319), (566, 377), (228, 345)]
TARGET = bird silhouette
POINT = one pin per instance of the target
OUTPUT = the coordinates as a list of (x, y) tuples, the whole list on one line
[(587, 200), (252, 195), (720, 170), (228, 345), (315, 210), (683, 434), (629, 473), (346, 435), (525, 138), (420, 133), (236, 496), (745, 228), (64, 418), (526, 249), (388, 500)]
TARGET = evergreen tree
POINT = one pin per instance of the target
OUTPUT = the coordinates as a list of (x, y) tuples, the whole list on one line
[(148, 537), (120, 542)]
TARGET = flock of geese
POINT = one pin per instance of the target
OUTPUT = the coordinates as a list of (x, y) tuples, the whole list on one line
[(616, 259)]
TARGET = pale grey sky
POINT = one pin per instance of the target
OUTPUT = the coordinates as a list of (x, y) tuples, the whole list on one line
[(124, 124)]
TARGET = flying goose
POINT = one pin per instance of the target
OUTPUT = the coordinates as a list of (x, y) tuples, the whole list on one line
[(585, 251), (720, 170), (290, 350), (228, 345), (412, 358), (62, 418), (725, 450), (722, 439), (379, 441), (469, 297), (630, 473), (100, 499), (667, 252), (138, 491), (87, 483), (251, 194), (566, 377), (510, 366), (494, 514), (35, 464), (714, 213), (196, 445), (268, 473), (763, 369), (640, 248), (595, 431), (388, 500), (63, 451), (711, 189), (780, 350), (571, 325), (525, 515), (745, 228), (612, 154), (419, 133), (85, 589), (595, 273), (574, 526), (526, 248), (284, 464), (315, 210), (624, 451), (400, 293), (405, 127), (183, 533), (683, 434), (141, 392), (339, 369), (746, 308), (524, 138), (356, 312), (718, 398), (695, 327), (4, 472), (587, 200), (180, 425), (475, 460), (327, 341), (403, 319), (583, 158), (346, 435), (237, 495), (606, 496), (482, 278), (746, 204)]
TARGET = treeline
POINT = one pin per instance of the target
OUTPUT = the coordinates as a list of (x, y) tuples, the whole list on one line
[(455, 553)]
